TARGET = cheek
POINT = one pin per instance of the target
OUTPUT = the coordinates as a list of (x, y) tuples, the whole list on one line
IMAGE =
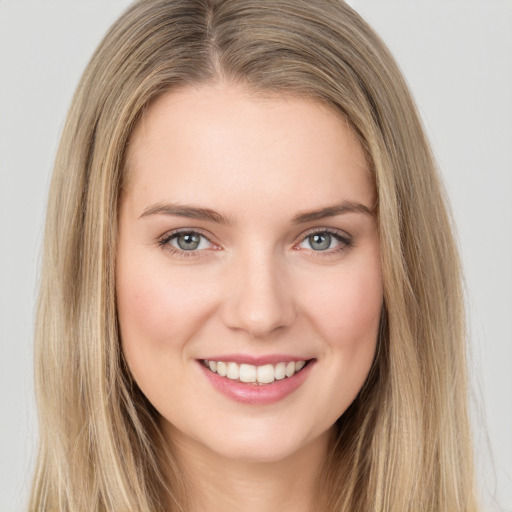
[(152, 300), (146, 309), (158, 311), (346, 314), (347, 308)]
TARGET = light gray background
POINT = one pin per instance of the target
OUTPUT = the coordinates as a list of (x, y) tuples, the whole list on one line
[(457, 57)]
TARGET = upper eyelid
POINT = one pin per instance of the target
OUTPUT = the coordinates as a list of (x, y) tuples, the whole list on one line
[(319, 229), (169, 234), (300, 238), (333, 231)]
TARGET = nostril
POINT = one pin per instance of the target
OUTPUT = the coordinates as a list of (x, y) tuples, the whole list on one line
[(257, 300)]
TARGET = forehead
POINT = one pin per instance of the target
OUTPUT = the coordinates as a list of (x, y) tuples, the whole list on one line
[(195, 144)]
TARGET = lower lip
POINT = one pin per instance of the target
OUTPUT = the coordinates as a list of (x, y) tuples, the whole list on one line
[(249, 393)]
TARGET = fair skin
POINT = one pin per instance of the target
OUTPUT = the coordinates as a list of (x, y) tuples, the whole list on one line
[(247, 236)]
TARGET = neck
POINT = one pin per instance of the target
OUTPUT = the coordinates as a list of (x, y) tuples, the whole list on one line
[(217, 484)]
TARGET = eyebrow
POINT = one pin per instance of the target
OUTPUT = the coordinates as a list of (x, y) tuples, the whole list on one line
[(332, 211), (206, 214), (191, 212)]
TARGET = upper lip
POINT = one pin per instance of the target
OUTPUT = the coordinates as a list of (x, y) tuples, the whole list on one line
[(256, 360)]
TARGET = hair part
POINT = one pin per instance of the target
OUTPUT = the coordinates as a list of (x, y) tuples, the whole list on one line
[(404, 444)]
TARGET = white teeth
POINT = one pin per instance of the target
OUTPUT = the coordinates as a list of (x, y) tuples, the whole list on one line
[(280, 371), (222, 369), (233, 371), (265, 374), (247, 373)]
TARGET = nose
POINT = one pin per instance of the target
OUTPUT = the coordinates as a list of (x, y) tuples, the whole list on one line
[(259, 298)]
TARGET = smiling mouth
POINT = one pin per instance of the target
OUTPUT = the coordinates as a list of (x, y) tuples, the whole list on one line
[(257, 375)]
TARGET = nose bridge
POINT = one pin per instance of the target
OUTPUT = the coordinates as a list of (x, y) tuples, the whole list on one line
[(259, 300)]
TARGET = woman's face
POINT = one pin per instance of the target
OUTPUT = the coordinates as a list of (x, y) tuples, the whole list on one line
[(247, 244)]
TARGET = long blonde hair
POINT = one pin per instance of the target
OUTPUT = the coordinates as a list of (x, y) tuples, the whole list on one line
[(404, 444)]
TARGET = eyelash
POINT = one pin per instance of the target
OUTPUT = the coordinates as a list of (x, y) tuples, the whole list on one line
[(345, 240), (165, 239)]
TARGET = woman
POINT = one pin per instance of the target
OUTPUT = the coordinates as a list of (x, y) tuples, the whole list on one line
[(250, 293)]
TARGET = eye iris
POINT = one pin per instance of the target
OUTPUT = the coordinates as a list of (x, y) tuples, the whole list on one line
[(188, 241), (320, 241)]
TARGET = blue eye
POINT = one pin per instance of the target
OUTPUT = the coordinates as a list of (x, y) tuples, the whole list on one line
[(325, 241), (187, 241), (320, 241)]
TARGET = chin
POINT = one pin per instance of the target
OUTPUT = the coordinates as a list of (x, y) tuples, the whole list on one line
[(262, 446), (258, 453)]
